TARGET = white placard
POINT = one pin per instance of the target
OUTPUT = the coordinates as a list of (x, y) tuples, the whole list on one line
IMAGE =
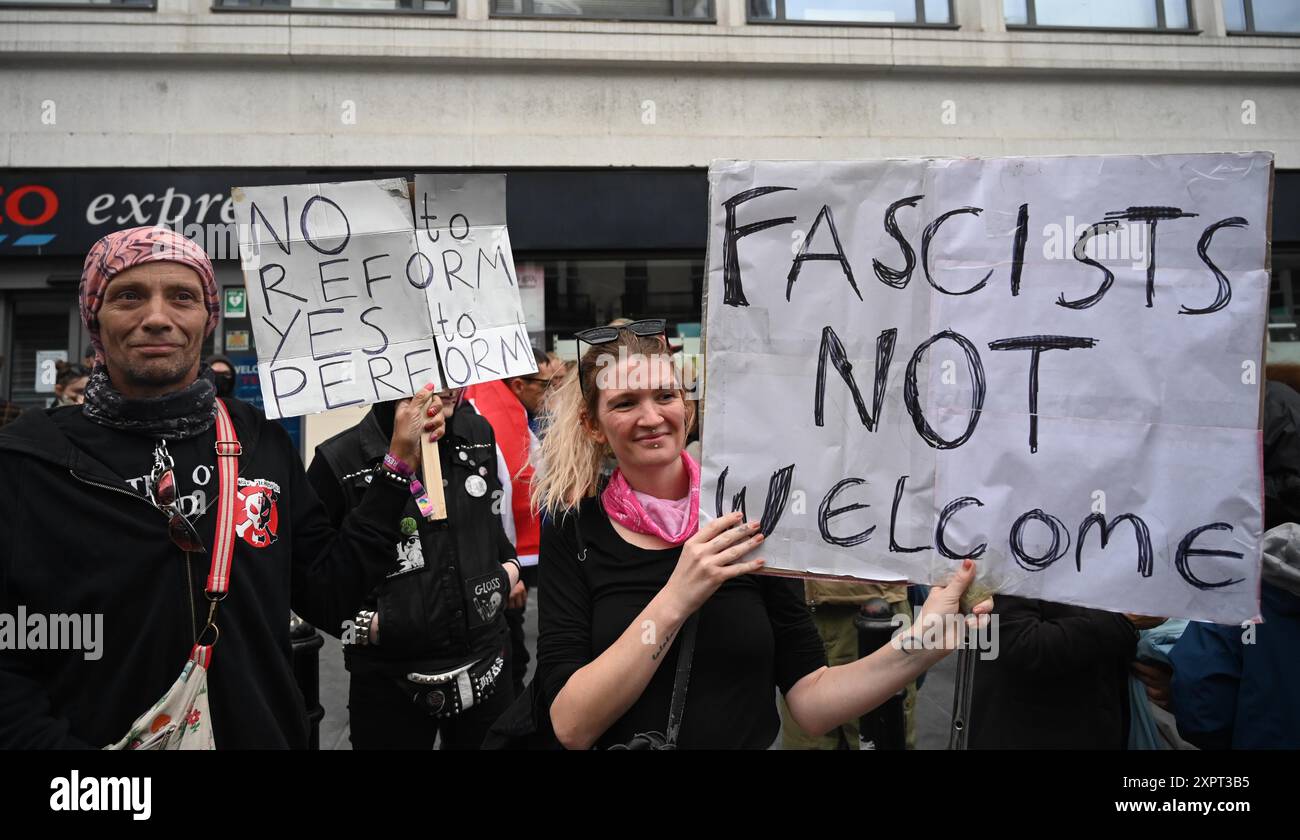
[(336, 294), (1122, 297), (469, 275)]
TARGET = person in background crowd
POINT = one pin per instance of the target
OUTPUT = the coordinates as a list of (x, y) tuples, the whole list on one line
[(622, 572), (436, 624), (70, 384), (692, 373), (1149, 730), (1059, 681), (835, 604), (513, 407), (1238, 687), (558, 371), (8, 411), (222, 371), (115, 517)]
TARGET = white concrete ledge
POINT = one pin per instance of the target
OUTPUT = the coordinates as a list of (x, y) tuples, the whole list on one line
[(301, 36), (186, 87)]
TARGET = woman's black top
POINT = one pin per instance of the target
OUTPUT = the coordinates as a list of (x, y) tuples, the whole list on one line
[(755, 635)]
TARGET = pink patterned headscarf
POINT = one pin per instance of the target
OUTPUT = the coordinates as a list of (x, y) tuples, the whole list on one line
[(125, 249)]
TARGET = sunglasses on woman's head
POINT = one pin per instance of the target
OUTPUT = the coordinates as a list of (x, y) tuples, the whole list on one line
[(604, 335), (645, 328)]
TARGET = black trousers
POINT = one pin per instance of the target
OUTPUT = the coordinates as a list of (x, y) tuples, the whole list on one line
[(381, 717), (518, 648)]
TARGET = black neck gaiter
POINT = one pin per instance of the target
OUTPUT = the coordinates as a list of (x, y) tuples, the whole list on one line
[(181, 414)]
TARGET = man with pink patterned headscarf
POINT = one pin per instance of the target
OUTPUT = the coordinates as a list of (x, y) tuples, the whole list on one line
[(125, 249), (150, 357), (112, 516)]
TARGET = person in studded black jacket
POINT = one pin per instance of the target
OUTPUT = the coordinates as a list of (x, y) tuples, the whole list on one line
[(429, 652)]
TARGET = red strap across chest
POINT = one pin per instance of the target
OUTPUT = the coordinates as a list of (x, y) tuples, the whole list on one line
[(223, 549)]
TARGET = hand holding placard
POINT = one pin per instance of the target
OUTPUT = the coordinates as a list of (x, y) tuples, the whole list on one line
[(348, 307), (335, 294), (467, 271), (417, 426), (417, 420)]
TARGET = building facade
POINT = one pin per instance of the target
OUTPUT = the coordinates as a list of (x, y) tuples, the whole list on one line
[(603, 113)]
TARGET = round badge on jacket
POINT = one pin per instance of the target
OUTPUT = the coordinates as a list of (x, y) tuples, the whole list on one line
[(475, 486)]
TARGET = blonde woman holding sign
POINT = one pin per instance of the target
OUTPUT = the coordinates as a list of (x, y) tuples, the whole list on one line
[(623, 572)]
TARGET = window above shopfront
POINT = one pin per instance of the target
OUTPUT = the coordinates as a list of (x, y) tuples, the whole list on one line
[(586, 290), (870, 12), (692, 11), (437, 7), (1262, 17), (80, 4), (1284, 307), (1161, 15)]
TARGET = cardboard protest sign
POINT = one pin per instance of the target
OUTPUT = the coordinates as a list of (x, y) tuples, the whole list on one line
[(1051, 365), (467, 269), (335, 293)]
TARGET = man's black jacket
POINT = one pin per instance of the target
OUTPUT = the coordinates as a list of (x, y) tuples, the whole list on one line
[(75, 539), (443, 606)]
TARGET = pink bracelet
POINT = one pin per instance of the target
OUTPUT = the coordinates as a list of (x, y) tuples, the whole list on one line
[(397, 465)]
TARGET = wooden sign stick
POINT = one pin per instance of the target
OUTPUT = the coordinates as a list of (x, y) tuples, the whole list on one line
[(431, 466), (430, 458)]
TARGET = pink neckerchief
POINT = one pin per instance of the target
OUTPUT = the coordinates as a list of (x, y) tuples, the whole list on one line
[(673, 521)]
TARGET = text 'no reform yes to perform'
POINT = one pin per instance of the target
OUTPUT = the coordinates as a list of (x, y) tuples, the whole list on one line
[(351, 304)]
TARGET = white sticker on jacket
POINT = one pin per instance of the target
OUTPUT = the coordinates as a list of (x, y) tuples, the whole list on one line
[(410, 556)]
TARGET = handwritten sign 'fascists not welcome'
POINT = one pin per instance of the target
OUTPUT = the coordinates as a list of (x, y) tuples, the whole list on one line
[(336, 317), (1051, 365)]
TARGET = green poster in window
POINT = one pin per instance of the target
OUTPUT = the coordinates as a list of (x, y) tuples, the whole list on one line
[(236, 303)]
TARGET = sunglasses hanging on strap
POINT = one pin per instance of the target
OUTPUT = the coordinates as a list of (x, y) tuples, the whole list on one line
[(181, 719), (162, 488)]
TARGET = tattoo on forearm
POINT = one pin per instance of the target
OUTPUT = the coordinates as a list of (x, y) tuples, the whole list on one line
[(663, 646)]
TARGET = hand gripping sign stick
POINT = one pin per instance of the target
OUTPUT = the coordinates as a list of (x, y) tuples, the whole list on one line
[(430, 455)]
